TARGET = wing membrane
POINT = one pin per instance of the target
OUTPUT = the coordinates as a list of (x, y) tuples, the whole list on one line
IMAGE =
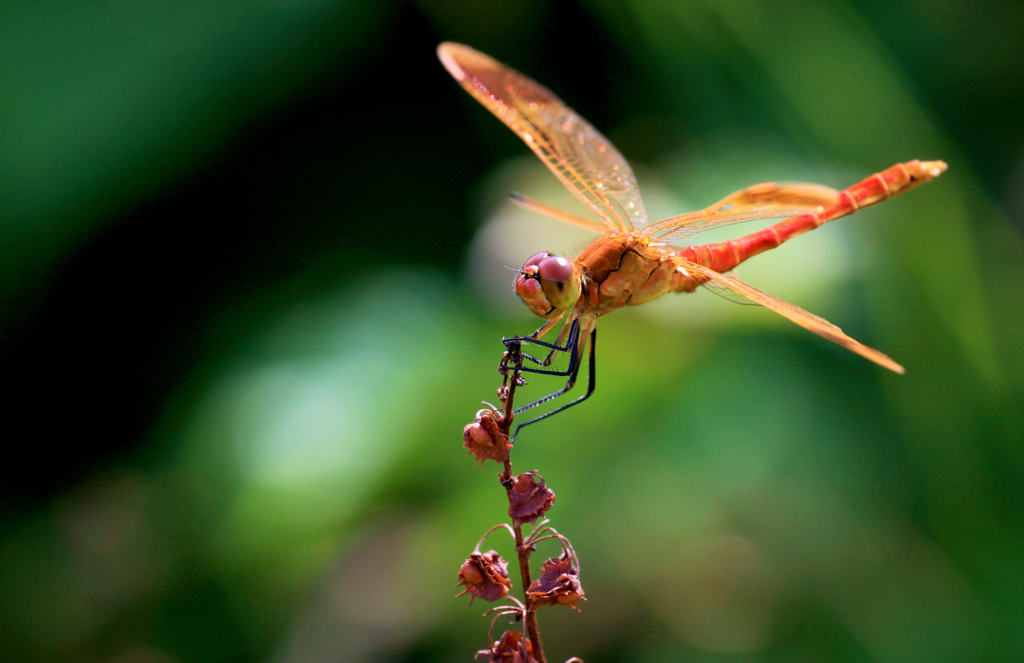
[(585, 161), (728, 294), (801, 317), (565, 217), (761, 201)]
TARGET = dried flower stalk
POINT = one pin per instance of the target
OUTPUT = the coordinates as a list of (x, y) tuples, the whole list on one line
[(485, 575)]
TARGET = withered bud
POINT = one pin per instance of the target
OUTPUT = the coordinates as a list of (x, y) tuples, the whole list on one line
[(512, 648), (559, 583), (485, 438), (529, 500), (484, 575)]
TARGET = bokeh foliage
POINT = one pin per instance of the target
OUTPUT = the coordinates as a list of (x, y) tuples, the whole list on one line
[(243, 326)]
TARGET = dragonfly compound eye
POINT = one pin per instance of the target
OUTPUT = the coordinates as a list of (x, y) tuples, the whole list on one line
[(560, 280), (535, 260), (554, 268), (542, 277)]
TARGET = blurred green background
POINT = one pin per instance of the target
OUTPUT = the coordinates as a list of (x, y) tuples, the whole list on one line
[(253, 287)]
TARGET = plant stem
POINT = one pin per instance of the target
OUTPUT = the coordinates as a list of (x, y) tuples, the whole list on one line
[(531, 615), (523, 551)]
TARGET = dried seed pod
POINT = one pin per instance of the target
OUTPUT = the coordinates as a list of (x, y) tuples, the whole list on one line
[(512, 648), (559, 583), (486, 576), (529, 500), (485, 438)]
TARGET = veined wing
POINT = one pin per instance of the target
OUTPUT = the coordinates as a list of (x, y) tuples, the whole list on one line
[(584, 160), (565, 217), (761, 201), (787, 310), (726, 293)]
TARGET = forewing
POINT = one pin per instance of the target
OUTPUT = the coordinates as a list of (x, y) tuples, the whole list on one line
[(761, 201), (565, 217), (787, 310), (584, 160)]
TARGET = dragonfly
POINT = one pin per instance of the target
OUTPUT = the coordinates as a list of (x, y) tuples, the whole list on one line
[(634, 261)]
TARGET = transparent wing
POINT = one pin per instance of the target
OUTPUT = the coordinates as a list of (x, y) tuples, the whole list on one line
[(565, 217), (798, 315), (761, 201), (725, 293), (584, 160)]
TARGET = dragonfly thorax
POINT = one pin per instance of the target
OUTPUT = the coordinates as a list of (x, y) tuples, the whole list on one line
[(549, 284)]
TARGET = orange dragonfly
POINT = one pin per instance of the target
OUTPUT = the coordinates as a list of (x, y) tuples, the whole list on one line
[(633, 261)]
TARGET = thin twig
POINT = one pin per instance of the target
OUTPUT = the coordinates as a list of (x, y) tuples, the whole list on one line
[(490, 631), (537, 531), (530, 616), (484, 537)]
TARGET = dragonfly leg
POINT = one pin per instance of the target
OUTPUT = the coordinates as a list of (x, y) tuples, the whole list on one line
[(514, 340), (591, 384), (570, 346), (566, 329)]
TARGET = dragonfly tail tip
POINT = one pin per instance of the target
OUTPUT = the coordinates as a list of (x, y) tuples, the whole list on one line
[(934, 168)]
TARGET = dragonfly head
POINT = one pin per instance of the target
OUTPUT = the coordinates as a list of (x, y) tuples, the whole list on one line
[(549, 284)]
